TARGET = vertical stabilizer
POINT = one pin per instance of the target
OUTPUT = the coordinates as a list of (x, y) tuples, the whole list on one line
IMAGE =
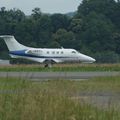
[(12, 44)]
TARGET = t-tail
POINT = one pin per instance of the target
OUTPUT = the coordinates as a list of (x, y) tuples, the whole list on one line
[(12, 44)]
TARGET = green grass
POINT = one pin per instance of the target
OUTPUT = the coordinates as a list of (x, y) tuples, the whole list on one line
[(63, 67), (52, 100)]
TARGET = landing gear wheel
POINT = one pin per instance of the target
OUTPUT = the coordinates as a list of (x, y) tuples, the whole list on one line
[(48, 65)]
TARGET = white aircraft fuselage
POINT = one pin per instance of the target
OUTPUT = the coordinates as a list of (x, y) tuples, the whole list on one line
[(42, 55)]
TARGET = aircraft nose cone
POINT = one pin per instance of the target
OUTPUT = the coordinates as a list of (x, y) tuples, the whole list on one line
[(92, 60), (88, 59)]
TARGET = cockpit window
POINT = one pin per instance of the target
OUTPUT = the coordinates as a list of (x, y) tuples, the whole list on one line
[(74, 52)]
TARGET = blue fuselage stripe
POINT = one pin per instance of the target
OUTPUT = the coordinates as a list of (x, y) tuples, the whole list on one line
[(22, 53)]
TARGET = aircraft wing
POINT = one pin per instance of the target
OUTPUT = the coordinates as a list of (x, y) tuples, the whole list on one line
[(57, 60), (40, 60)]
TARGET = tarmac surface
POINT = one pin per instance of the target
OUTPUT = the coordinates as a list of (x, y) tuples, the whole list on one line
[(57, 75)]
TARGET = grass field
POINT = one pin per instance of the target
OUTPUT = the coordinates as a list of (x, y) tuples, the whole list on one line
[(53, 100), (63, 67)]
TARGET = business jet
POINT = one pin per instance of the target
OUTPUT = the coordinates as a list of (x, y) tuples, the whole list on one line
[(44, 55)]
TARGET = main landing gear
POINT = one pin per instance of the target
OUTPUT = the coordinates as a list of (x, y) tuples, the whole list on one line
[(48, 65)]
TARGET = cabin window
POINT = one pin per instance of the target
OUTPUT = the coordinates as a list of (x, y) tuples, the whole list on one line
[(40, 51), (36, 51), (57, 52), (47, 52), (61, 52), (53, 52)]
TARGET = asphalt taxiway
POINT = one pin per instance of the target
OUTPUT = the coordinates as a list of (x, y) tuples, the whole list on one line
[(57, 75)]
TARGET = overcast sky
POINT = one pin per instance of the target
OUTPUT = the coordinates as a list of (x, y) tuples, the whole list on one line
[(47, 6)]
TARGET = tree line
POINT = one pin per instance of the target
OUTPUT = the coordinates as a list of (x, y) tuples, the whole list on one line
[(94, 29)]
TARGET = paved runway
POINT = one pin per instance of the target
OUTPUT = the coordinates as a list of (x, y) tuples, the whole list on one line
[(57, 75)]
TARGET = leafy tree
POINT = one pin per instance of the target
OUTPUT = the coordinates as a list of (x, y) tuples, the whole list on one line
[(98, 27), (24, 31), (106, 7), (36, 13), (64, 38), (76, 25), (15, 15), (117, 41), (42, 31), (59, 21), (107, 57), (98, 33), (54, 44)]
